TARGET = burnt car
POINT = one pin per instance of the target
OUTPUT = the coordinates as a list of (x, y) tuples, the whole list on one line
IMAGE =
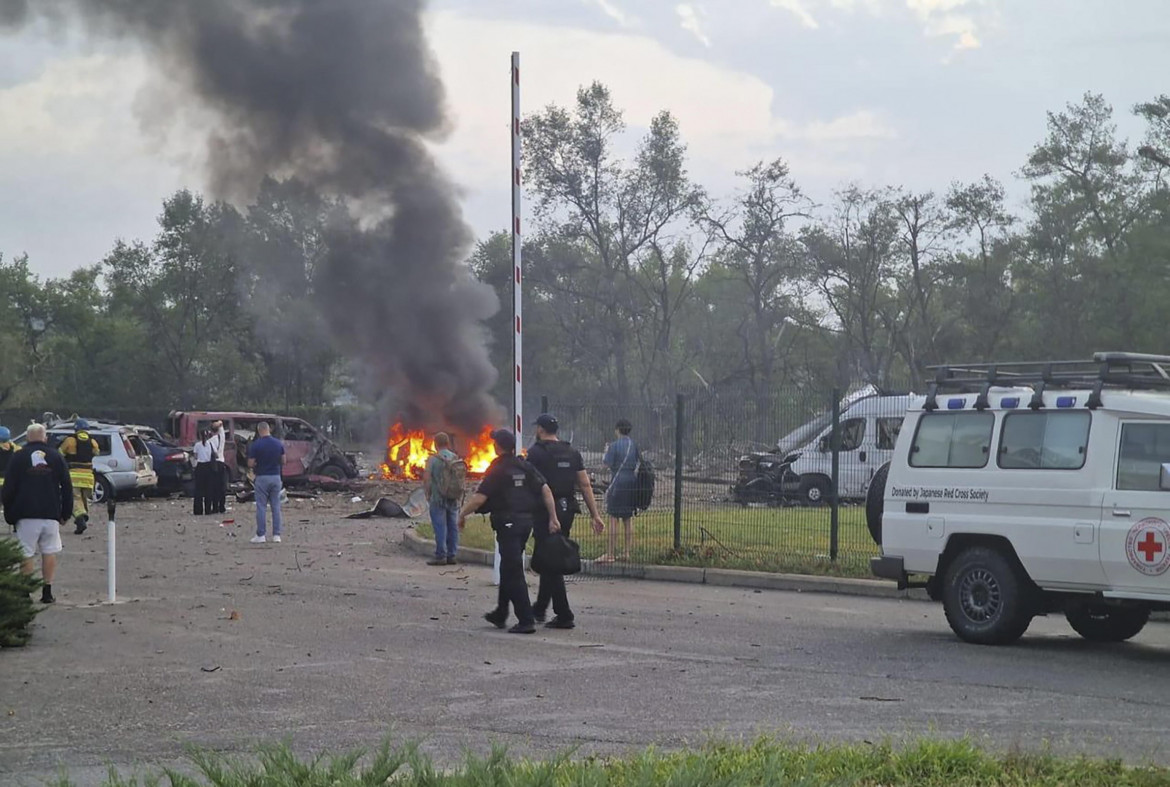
[(767, 476), (171, 463), (308, 452)]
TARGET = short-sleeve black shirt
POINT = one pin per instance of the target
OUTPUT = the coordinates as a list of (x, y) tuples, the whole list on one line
[(559, 463), (512, 486)]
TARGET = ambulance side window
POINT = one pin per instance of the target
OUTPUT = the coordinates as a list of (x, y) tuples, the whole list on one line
[(952, 440), (1144, 447), (1044, 441)]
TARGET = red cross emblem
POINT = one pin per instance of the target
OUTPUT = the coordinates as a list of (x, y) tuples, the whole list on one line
[(1145, 546), (1150, 546)]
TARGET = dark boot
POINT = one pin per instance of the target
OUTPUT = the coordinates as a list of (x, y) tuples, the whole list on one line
[(82, 522)]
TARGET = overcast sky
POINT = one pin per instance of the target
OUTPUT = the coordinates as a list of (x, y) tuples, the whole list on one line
[(878, 92)]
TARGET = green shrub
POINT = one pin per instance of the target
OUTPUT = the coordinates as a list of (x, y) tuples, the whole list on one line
[(16, 607)]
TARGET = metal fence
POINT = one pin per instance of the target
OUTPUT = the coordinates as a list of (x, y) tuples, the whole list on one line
[(776, 485)]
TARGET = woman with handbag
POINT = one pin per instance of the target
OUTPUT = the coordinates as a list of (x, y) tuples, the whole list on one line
[(621, 457)]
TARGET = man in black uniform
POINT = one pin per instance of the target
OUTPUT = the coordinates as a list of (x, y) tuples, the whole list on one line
[(562, 466), (516, 496)]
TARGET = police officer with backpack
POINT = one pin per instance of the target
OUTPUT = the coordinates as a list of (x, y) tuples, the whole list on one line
[(517, 496), (563, 468), (443, 479)]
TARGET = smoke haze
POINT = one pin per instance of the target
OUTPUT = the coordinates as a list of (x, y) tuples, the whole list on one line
[(340, 95)]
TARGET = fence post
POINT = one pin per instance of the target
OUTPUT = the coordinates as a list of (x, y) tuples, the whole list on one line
[(679, 423), (834, 498), (544, 404)]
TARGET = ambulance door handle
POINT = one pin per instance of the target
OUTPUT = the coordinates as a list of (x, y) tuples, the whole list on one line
[(1121, 512)]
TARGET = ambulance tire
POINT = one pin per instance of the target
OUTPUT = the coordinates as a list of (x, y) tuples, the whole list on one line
[(875, 503), (986, 598)]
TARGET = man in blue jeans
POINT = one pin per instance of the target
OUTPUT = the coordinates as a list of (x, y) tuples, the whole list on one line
[(444, 468), (265, 457)]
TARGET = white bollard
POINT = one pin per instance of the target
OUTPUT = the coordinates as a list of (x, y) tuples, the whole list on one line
[(111, 554), (111, 562), (496, 567)]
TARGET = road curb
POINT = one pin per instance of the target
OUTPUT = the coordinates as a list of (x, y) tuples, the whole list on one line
[(724, 577)]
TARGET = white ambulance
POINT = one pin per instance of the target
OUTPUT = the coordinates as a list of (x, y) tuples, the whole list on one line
[(1018, 490)]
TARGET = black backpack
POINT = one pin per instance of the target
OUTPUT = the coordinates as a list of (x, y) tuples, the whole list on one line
[(644, 487)]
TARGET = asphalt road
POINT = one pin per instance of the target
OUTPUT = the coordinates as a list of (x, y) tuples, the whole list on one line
[(340, 637)]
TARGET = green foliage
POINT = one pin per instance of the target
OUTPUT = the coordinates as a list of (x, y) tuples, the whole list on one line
[(16, 607), (924, 763), (639, 284), (764, 291), (215, 311)]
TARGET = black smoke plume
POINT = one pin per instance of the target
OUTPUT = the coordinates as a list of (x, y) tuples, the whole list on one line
[(341, 95)]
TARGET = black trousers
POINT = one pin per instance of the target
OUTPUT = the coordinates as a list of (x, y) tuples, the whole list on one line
[(204, 479), (513, 587), (552, 586), (219, 488)]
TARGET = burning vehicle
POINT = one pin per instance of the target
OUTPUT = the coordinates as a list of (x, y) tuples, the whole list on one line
[(308, 452), (407, 451)]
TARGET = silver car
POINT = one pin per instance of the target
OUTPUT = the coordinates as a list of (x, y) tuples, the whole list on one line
[(123, 466)]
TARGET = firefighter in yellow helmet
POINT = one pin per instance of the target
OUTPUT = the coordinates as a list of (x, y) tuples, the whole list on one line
[(79, 449)]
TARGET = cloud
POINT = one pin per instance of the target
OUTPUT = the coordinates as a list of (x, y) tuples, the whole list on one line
[(863, 124), (797, 9), (939, 18), (613, 12), (689, 20), (947, 18), (727, 116), (71, 138)]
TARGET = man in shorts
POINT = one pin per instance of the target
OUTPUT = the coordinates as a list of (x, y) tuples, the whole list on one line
[(38, 498)]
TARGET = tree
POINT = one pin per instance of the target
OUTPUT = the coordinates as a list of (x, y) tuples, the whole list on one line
[(852, 267), (760, 262), (624, 218), (1078, 270), (983, 298), (24, 322), (1157, 147), (923, 231), (283, 250), (183, 290)]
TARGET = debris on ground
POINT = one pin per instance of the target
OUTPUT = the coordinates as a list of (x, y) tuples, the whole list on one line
[(384, 507)]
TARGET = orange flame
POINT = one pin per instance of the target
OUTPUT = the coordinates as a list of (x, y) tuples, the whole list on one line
[(407, 452)]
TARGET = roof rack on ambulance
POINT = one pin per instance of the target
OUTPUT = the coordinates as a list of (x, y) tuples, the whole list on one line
[(1133, 371)]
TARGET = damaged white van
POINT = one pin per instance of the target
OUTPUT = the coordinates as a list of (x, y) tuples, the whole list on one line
[(1018, 490), (868, 430)]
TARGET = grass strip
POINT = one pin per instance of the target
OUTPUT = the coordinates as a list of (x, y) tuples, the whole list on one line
[(926, 763), (794, 540)]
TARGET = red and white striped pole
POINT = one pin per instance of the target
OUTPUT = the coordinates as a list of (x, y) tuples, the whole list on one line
[(517, 280), (517, 250)]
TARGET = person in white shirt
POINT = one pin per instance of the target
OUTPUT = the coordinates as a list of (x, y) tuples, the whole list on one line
[(218, 442), (205, 468)]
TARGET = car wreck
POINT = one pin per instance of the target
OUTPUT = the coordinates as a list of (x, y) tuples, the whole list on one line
[(308, 451)]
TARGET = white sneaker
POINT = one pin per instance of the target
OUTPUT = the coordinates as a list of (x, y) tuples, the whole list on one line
[(276, 539), (259, 540)]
